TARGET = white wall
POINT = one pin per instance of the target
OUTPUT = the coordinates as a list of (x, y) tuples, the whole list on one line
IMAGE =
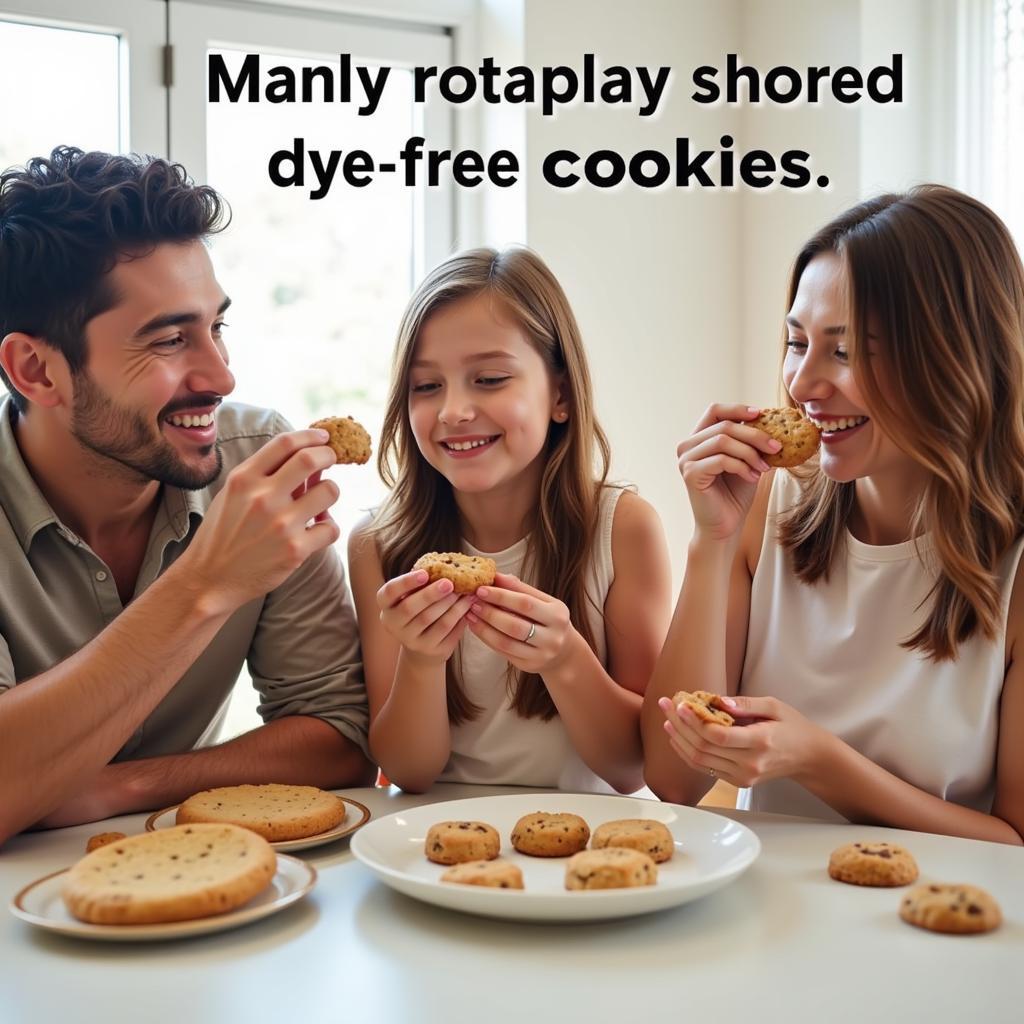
[(650, 273)]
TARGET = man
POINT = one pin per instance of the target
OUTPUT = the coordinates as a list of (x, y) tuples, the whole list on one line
[(151, 538)]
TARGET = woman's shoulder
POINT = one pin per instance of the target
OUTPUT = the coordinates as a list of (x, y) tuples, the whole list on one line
[(636, 531)]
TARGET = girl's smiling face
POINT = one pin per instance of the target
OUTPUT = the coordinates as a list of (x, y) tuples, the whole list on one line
[(481, 398), (817, 374)]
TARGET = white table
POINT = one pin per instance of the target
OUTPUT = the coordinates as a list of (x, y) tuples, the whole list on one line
[(783, 943)]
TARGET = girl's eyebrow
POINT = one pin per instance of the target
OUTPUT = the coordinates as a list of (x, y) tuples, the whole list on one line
[(474, 357), (793, 322)]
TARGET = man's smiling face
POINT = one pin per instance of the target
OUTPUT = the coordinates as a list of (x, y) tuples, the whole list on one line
[(156, 369)]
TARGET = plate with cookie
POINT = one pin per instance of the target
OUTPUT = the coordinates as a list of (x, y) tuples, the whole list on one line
[(288, 817), (177, 882), (556, 856)]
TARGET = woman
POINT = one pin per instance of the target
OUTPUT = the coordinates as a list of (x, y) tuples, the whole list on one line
[(867, 610)]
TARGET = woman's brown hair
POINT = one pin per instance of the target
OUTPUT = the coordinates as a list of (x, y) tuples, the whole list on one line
[(938, 277), (421, 514)]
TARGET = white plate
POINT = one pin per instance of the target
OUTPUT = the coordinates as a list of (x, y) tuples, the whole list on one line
[(40, 904), (357, 816), (710, 852)]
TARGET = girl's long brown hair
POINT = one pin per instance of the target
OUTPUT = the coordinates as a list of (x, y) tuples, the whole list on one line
[(937, 275), (420, 513)]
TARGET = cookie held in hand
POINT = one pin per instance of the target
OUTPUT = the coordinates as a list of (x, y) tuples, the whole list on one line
[(799, 437), (701, 703), (467, 572), (349, 439)]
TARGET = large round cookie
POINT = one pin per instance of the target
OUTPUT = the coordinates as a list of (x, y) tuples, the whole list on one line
[(643, 834), (799, 437), (173, 874), (455, 842), (611, 868), (274, 811), (880, 864), (550, 835), (954, 909)]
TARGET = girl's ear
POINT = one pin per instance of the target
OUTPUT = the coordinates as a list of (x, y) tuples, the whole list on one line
[(560, 403)]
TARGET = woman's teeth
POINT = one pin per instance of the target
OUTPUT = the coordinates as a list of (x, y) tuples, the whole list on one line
[(464, 446), (832, 426), (192, 421)]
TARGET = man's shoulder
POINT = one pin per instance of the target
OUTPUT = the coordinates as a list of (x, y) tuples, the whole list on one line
[(243, 429)]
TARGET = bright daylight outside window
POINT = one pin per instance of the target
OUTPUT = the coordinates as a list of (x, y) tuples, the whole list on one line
[(1008, 114), (75, 102), (317, 286)]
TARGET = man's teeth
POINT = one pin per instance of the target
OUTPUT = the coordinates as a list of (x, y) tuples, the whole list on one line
[(192, 421), (464, 446), (831, 426)]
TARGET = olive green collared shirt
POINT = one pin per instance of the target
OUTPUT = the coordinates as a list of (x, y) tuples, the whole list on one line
[(300, 641)]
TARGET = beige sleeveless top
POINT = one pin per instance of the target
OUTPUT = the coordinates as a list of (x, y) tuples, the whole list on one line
[(832, 650), (499, 747)]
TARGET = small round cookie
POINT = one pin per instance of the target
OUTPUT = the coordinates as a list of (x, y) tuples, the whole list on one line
[(550, 835), (172, 874), (703, 706), (878, 864), (455, 842), (953, 909), (495, 874), (643, 834), (799, 437), (103, 839), (467, 572), (349, 439), (274, 811), (611, 868)]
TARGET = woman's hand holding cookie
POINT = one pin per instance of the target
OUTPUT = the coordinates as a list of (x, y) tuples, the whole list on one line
[(721, 463), (769, 740), (530, 628), (427, 619)]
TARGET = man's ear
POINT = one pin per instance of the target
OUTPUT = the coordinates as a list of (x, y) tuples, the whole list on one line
[(37, 370)]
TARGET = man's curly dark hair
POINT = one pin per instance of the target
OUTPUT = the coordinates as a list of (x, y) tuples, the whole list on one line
[(66, 220)]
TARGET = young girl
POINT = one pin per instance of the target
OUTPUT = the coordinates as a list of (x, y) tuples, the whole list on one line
[(489, 444), (869, 609)]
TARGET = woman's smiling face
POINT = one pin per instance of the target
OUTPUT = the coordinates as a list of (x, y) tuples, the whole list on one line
[(818, 375), (481, 398)]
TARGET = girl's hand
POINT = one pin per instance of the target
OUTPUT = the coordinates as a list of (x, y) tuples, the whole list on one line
[(427, 620), (770, 740), (721, 464), (505, 615)]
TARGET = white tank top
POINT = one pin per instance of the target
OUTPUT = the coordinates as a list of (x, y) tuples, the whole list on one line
[(499, 747), (832, 650)]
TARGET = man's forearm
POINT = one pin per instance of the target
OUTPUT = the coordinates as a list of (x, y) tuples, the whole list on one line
[(61, 727), (298, 750)]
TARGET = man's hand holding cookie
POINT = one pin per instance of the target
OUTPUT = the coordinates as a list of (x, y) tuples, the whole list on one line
[(256, 532)]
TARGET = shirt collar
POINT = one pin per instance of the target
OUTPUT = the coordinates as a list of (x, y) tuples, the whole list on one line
[(28, 511), (20, 498)]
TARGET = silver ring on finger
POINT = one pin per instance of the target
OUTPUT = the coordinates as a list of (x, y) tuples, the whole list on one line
[(532, 633)]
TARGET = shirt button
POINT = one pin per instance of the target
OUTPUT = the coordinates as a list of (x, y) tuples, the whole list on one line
[(101, 575)]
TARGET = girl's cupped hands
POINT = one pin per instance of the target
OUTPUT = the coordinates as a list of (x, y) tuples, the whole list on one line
[(530, 628)]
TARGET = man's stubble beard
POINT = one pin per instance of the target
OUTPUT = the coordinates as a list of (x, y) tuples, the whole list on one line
[(125, 438)]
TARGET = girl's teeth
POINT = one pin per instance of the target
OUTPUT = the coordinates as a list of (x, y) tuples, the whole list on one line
[(464, 446)]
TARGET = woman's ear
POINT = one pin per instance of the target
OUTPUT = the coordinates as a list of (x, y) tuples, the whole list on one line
[(33, 368)]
